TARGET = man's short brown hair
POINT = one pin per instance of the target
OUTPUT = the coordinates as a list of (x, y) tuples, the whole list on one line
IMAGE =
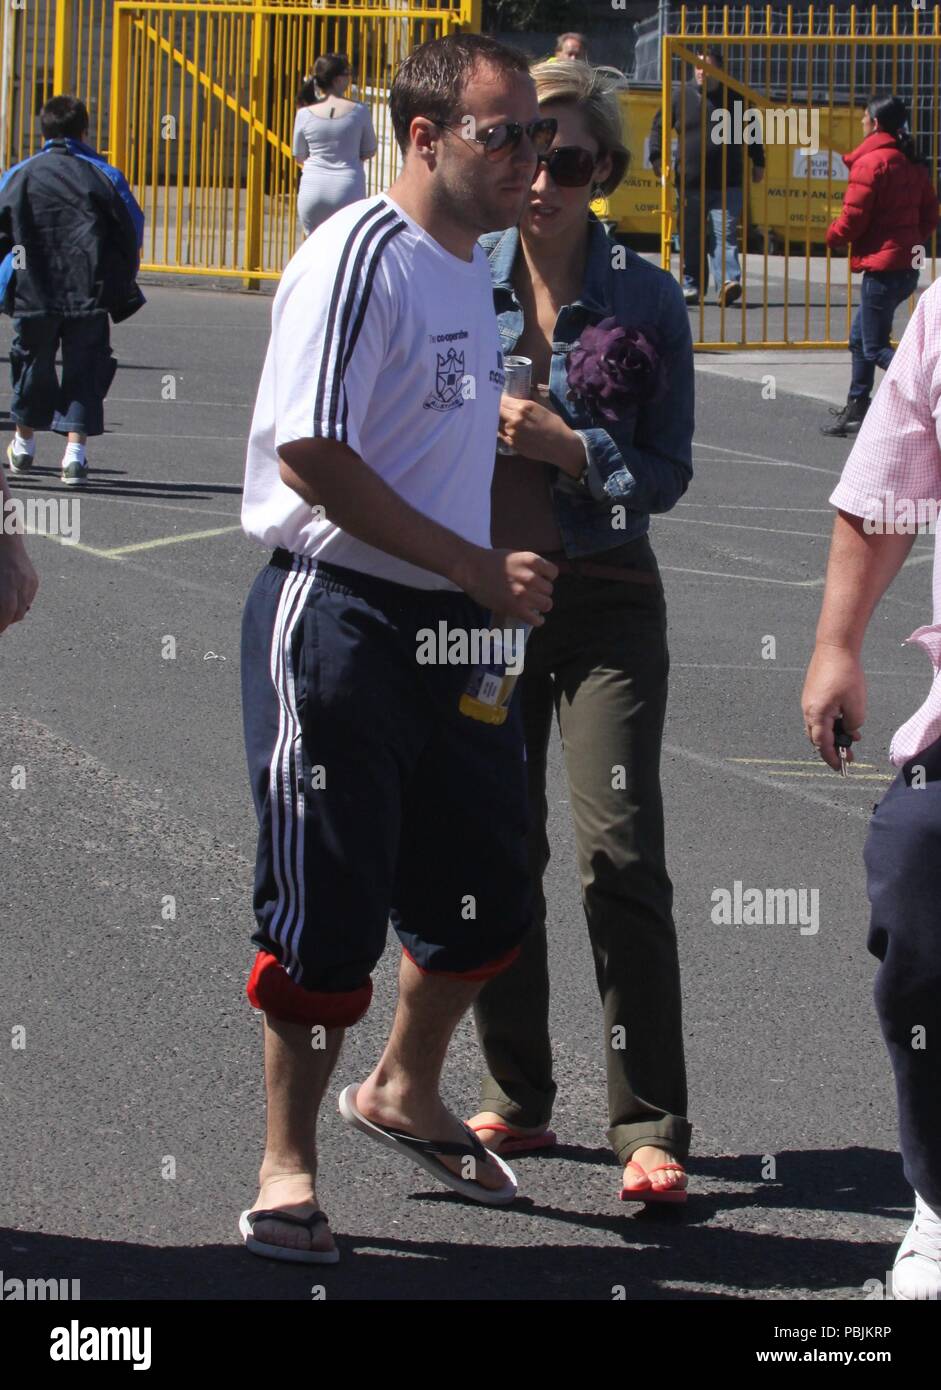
[(431, 80)]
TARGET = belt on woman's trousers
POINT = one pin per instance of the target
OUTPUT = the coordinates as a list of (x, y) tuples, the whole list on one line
[(618, 572)]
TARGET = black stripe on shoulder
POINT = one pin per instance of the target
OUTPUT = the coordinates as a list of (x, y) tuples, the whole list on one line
[(364, 303), (378, 217)]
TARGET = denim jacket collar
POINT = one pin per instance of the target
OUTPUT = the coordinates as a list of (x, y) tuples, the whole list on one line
[(593, 294)]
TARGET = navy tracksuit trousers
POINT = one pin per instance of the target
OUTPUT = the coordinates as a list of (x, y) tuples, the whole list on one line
[(903, 861)]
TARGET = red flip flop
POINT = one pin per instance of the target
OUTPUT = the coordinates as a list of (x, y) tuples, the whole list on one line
[(519, 1143), (644, 1190)]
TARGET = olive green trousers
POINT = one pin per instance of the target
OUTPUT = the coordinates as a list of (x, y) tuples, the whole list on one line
[(600, 663)]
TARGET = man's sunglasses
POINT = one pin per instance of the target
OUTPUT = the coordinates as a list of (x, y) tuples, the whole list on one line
[(570, 166), (501, 140)]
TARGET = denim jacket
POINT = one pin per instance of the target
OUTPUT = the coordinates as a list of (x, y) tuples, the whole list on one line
[(642, 462)]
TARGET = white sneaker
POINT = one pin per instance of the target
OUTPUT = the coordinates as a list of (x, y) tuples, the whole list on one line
[(917, 1270), (19, 460)]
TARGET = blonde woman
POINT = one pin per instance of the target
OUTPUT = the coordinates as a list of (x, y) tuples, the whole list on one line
[(605, 440)]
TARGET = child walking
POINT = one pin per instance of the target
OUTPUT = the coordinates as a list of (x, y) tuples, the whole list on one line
[(70, 237)]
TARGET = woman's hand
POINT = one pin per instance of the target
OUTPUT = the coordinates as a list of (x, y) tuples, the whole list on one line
[(536, 432)]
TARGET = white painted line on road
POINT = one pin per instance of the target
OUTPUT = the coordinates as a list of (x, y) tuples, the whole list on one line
[(165, 434), (749, 507), (761, 779), (117, 552), (857, 776), (783, 767), (769, 667), (792, 583), (748, 578), (169, 540), (789, 762), (771, 462), (741, 526), (225, 327), (177, 400)]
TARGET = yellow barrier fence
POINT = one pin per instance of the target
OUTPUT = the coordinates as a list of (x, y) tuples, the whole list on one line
[(203, 100), (196, 101), (47, 47)]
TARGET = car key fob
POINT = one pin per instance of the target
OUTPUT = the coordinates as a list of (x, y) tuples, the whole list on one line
[(843, 741)]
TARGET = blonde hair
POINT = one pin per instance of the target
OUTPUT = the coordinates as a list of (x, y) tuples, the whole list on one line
[(594, 92)]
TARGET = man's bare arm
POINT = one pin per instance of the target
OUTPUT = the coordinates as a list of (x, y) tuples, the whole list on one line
[(18, 579), (860, 569), (333, 476)]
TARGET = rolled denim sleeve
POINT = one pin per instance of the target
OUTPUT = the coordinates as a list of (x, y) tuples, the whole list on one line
[(644, 460)]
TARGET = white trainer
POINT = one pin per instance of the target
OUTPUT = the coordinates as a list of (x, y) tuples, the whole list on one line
[(917, 1270)]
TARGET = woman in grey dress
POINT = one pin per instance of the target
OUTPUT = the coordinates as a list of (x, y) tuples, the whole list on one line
[(332, 138)]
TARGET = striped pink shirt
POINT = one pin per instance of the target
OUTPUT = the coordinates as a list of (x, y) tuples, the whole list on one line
[(894, 473)]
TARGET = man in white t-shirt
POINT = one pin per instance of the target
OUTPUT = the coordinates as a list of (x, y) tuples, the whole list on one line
[(368, 474)]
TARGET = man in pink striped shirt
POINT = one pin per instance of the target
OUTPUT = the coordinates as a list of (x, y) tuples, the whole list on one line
[(891, 481)]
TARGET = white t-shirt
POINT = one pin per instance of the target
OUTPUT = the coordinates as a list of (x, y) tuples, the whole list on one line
[(385, 341)]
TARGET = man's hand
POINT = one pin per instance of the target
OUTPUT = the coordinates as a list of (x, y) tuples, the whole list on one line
[(18, 581), (834, 685), (511, 583), (757, 173)]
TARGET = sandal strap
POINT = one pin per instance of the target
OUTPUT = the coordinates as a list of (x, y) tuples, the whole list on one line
[(457, 1147), (308, 1222)]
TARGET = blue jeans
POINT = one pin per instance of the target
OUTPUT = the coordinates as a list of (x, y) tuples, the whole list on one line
[(710, 208), (40, 400), (881, 294)]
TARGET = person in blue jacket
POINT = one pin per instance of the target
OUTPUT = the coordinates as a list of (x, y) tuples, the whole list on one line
[(70, 238)]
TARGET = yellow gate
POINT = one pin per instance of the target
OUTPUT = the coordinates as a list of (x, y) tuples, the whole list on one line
[(809, 92), (202, 112), (48, 47)]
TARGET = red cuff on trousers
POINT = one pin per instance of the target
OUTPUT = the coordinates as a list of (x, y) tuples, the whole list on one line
[(483, 972), (271, 989)]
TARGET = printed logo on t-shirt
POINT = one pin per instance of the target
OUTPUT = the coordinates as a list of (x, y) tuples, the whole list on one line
[(449, 382)]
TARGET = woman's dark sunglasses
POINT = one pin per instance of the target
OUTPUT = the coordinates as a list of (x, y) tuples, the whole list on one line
[(501, 140), (569, 166)]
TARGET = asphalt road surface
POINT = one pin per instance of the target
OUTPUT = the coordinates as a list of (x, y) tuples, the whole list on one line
[(131, 1122)]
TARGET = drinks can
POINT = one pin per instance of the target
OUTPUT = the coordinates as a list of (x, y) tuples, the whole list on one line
[(518, 379)]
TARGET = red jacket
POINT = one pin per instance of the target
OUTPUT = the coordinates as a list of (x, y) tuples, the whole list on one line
[(890, 206)]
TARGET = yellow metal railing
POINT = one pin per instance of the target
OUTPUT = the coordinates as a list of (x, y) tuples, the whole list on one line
[(202, 107), (796, 293), (195, 101)]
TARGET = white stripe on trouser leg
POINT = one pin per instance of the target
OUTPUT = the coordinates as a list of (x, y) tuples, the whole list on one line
[(287, 803), (294, 766)]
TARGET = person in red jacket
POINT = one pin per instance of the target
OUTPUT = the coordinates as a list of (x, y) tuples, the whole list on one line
[(890, 209)]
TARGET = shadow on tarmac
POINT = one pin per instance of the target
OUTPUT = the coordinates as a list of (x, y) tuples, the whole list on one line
[(663, 1254)]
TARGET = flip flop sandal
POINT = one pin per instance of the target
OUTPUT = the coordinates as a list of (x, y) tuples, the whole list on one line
[(287, 1253), (423, 1151), (519, 1143), (644, 1190)]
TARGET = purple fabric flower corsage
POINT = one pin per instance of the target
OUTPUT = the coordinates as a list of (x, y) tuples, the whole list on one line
[(611, 366)]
